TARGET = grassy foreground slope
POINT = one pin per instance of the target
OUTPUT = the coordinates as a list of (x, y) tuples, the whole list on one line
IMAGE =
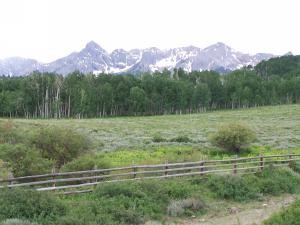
[(288, 216), (276, 127), (135, 203)]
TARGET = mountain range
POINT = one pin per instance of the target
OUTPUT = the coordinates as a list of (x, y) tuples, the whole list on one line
[(94, 59)]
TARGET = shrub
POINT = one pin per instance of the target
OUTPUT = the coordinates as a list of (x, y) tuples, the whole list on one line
[(233, 137), (29, 205), (23, 160), (175, 190), (17, 222), (271, 181), (149, 199), (289, 216), (238, 188), (59, 144), (117, 210), (158, 138), (89, 213), (295, 166), (276, 181), (87, 162), (125, 189), (181, 139)]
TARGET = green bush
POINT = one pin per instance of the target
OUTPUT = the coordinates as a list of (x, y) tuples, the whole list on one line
[(169, 189), (272, 181), (158, 138), (59, 144), (233, 137), (29, 205), (87, 162), (127, 189), (23, 160), (275, 181), (149, 199), (17, 222), (133, 203), (289, 216), (118, 210), (175, 190), (238, 188), (89, 213), (295, 166), (181, 139)]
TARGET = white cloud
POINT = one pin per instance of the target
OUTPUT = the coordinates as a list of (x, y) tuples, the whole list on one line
[(48, 29)]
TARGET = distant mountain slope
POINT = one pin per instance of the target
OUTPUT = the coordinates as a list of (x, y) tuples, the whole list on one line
[(17, 66), (94, 59)]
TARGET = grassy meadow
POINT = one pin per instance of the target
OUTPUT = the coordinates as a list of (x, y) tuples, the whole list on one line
[(276, 127), (145, 140), (124, 141)]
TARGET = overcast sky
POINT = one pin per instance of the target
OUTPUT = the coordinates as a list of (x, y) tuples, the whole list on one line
[(49, 29)]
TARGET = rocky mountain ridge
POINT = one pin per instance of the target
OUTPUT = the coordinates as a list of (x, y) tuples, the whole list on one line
[(95, 59)]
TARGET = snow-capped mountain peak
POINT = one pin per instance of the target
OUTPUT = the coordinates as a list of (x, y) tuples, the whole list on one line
[(94, 47), (95, 59)]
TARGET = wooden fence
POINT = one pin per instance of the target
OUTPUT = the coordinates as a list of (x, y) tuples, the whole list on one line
[(76, 182)]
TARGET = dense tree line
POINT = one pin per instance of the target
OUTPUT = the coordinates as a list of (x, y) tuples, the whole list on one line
[(49, 95)]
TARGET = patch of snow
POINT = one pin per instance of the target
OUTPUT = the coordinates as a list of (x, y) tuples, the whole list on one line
[(166, 62), (121, 63), (234, 56), (239, 66)]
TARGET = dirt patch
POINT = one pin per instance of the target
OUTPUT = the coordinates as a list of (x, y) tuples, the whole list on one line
[(237, 216)]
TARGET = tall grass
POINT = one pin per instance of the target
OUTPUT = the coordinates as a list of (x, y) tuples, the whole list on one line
[(289, 216), (275, 126)]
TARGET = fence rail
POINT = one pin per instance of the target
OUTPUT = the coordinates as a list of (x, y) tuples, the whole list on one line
[(75, 181)]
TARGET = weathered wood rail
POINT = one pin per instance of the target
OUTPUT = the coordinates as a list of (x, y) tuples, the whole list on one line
[(77, 180)]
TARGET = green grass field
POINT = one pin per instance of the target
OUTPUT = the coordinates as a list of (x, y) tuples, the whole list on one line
[(126, 140), (276, 127)]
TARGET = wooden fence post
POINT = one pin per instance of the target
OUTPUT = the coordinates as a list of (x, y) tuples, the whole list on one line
[(53, 176), (202, 168), (95, 173), (235, 165), (134, 168), (166, 168), (10, 175), (261, 163), (290, 159)]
